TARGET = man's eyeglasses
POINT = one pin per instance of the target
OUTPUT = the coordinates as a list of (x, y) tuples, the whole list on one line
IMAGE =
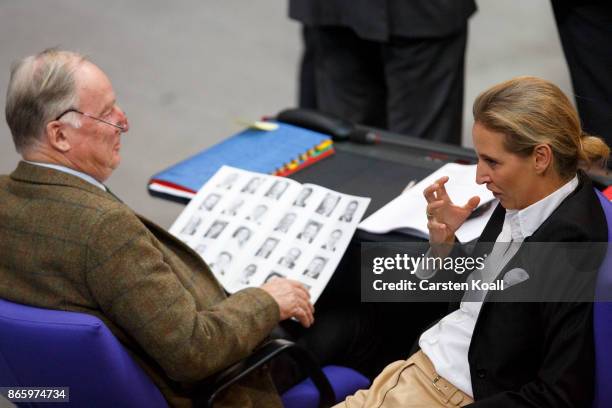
[(120, 127)]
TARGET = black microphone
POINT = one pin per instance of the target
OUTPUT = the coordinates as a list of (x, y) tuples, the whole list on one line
[(339, 129), (364, 136)]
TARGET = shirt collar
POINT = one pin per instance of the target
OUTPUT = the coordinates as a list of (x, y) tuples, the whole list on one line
[(523, 223), (74, 172)]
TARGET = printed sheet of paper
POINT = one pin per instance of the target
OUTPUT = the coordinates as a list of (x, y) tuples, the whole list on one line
[(406, 213), (250, 227)]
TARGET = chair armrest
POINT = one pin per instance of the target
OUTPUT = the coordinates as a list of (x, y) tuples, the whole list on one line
[(211, 388)]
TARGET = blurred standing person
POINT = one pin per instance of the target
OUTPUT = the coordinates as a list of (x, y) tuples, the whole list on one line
[(307, 96), (391, 64), (585, 30)]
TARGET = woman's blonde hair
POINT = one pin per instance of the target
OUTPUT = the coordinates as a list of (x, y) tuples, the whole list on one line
[(531, 111)]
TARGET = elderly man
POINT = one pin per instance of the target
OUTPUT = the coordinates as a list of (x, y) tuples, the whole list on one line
[(68, 243)]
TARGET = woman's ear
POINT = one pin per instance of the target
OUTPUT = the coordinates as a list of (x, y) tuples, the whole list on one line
[(543, 158)]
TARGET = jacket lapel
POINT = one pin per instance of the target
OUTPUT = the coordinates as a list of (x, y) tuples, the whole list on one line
[(539, 235)]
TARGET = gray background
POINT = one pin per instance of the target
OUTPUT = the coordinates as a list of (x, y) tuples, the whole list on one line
[(184, 70)]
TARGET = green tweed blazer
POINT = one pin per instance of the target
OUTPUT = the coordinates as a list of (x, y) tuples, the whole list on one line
[(66, 244)]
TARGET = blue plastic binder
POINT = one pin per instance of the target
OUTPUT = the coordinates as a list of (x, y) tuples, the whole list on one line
[(254, 150)]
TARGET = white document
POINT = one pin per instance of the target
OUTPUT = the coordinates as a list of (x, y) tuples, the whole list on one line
[(406, 213), (250, 227)]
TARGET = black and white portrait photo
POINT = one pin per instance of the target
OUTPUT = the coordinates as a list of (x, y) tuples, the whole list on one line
[(302, 197), (215, 229), (315, 267), (247, 274), (349, 211), (258, 213), (310, 231), (233, 208), (252, 186), (210, 202), (241, 235), (332, 240), (192, 225), (277, 189), (221, 263), (228, 181), (266, 248), (285, 223), (288, 260), (273, 275), (328, 204)]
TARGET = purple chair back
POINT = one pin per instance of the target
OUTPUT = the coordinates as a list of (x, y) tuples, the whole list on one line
[(602, 321), (345, 381), (41, 347)]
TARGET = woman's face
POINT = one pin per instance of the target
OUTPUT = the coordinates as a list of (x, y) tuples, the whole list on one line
[(510, 177)]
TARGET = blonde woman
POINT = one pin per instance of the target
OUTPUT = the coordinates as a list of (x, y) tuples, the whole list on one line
[(530, 150)]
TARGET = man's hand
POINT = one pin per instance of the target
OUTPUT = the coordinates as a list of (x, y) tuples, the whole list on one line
[(293, 300), (443, 217)]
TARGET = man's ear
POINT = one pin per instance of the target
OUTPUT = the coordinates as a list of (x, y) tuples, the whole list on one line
[(543, 157), (56, 136)]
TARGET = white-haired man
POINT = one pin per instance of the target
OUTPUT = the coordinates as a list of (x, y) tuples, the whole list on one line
[(67, 243)]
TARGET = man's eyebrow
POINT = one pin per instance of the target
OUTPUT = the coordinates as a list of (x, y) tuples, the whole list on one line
[(108, 105)]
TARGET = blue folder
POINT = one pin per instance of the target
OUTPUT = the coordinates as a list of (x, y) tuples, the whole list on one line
[(251, 149)]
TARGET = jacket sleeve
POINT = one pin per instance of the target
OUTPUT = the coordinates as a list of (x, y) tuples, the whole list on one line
[(137, 289), (565, 378)]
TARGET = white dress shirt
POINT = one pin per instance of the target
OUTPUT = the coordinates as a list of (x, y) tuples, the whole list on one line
[(447, 342), (68, 170)]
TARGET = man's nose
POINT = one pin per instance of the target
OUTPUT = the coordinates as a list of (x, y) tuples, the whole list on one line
[(126, 124), (123, 120)]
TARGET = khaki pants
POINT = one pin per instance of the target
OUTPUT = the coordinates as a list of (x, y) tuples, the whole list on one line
[(409, 383)]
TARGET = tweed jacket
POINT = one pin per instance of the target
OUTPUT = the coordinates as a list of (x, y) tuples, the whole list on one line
[(68, 245)]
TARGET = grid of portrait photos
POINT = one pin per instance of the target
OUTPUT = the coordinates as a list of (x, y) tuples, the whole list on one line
[(251, 227)]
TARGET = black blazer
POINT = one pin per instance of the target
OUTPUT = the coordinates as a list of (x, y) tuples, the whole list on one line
[(540, 354)]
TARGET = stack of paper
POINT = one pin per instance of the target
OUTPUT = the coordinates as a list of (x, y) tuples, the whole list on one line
[(406, 213)]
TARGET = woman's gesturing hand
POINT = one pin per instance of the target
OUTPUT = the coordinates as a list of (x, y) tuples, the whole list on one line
[(443, 217)]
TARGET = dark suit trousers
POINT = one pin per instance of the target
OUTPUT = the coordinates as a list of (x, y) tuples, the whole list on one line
[(408, 86), (341, 336), (585, 29), (307, 93)]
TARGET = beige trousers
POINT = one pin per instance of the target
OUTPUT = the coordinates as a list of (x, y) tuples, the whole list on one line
[(408, 383)]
